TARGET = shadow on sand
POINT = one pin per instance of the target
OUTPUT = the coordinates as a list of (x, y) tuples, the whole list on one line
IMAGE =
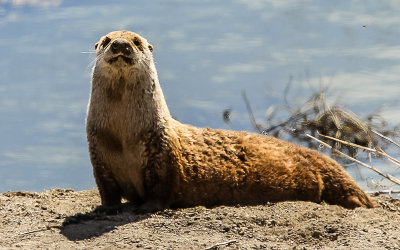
[(99, 221)]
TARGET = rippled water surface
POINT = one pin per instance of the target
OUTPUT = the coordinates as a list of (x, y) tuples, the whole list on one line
[(206, 53)]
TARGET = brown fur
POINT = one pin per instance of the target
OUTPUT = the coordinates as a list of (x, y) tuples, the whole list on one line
[(140, 153)]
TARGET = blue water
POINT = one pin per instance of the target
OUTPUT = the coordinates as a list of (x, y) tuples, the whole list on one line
[(206, 53)]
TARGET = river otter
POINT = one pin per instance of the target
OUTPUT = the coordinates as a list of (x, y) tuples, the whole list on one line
[(140, 153)]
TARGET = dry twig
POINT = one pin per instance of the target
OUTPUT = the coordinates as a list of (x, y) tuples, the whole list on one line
[(378, 152), (221, 244), (386, 138), (250, 112), (389, 192), (34, 231), (387, 176)]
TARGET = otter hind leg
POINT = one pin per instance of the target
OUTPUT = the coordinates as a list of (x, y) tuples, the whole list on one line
[(360, 199), (328, 181), (341, 189)]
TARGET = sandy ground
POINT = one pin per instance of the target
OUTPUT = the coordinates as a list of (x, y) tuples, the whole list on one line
[(65, 219)]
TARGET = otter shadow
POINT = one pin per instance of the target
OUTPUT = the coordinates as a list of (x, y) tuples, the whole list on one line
[(99, 221)]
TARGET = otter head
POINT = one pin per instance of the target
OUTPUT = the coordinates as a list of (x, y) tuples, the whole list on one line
[(123, 49)]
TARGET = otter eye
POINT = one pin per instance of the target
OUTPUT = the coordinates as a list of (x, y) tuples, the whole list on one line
[(106, 41), (136, 42)]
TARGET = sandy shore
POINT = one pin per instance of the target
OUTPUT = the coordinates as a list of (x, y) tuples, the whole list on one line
[(64, 219)]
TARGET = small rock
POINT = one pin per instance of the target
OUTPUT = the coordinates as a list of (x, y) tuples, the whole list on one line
[(331, 230), (316, 234)]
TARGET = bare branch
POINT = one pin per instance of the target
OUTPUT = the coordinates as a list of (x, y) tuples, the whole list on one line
[(221, 244), (385, 192), (250, 112), (379, 152), (34, 231), (387, 176), (386, 138)]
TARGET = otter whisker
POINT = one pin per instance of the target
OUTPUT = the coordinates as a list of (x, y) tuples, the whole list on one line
[(92, 63), (88, 52)]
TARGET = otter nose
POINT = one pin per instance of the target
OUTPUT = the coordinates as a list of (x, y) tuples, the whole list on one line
[(121, 46)]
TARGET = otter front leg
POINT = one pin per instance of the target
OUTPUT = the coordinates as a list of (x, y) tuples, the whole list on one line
[(109, 190), (160, 183)]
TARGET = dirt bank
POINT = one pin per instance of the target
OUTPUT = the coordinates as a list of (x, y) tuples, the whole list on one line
[(63, 219)]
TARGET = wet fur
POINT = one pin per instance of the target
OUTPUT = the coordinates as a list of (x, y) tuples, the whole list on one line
[(140, 153)]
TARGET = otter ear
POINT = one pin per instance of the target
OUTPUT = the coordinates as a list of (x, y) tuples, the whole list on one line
[(150, 47), (96, 45)]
